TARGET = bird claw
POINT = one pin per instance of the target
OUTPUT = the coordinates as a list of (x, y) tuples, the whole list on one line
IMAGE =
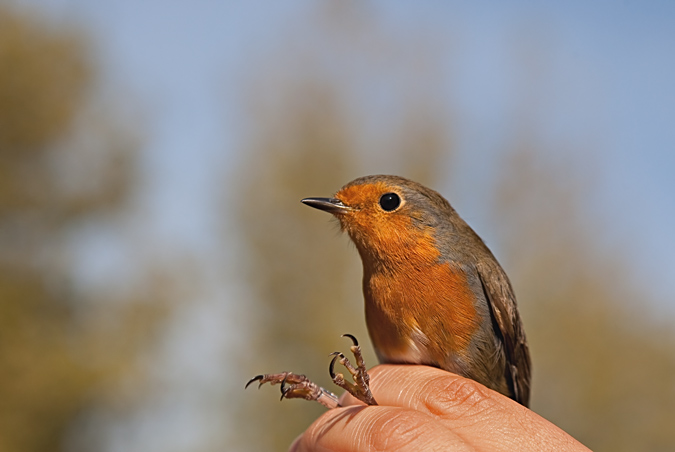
[(295, 386), (361, 386), (350, 336)]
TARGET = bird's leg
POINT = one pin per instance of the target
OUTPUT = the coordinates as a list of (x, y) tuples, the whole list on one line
[(294, 386), (361, 386)]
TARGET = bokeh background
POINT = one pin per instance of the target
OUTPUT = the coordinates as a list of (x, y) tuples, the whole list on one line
[(154, 254)]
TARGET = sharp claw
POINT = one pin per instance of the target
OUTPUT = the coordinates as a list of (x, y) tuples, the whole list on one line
[(283, 388), (356, 343), (331, 368), (256, 378)]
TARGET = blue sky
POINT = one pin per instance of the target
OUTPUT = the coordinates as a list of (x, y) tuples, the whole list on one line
[(607, 82)]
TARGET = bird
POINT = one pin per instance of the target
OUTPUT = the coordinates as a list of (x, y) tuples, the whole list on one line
[(434, 293)]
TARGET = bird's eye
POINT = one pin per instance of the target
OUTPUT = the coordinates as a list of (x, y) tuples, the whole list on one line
[(390, 201)]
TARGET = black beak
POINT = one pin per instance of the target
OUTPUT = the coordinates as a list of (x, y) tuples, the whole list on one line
[(330, 205)]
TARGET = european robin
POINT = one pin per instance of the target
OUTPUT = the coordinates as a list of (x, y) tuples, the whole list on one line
[(434, 293)]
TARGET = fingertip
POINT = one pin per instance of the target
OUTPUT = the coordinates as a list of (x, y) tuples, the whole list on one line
[(431, 390), (361, 429), (401, 382), (424, 408), (295, 445)]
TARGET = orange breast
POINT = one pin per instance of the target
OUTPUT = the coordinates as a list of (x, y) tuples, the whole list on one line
[(419, 310)]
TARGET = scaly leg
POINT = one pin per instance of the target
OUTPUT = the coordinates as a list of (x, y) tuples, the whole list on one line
[(361, 386), (294, 386)]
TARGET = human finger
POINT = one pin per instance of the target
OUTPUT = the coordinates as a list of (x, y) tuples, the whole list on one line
[(367, 428), (471, 410)]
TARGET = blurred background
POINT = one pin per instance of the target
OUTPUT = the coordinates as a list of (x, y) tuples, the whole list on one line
[(154, 254)]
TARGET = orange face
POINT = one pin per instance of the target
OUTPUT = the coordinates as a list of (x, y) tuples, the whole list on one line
[(381, 223)]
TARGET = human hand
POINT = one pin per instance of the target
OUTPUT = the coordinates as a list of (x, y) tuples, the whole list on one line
[(427, 409)]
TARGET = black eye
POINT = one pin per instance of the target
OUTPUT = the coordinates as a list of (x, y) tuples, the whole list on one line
[(390, 201)]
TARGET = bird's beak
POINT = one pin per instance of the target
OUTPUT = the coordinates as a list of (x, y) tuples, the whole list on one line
[(330, 205)]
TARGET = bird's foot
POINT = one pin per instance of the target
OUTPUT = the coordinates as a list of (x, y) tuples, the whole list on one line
[(361, 386), (294, 386)]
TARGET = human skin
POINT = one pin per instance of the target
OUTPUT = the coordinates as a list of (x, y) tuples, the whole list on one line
[(427, 409)]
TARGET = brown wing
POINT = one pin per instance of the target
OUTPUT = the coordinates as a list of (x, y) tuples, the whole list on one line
[(507, 321)]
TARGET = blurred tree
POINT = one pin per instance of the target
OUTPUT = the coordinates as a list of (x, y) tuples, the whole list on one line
[(297, 267), (59, 170), (602, 370)]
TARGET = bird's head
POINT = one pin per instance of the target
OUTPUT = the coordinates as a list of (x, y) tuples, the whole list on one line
[(388, 217)]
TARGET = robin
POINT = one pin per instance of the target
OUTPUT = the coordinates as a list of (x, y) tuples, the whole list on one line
[(434, 293)]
